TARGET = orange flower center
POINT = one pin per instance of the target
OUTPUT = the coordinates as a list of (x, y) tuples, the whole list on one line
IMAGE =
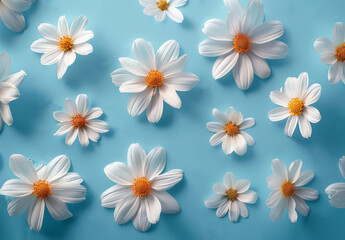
[(141, 187), (232, 129), (232, 194), (242, 43), (154, 79), (340, 54), (42, 189), (296, 106), (78, 121), (288, 189), (66, 43), (163, 5)]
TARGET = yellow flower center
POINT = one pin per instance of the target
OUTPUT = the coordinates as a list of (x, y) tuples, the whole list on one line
[(288, 189), (296, 106), (232, 194), (242, 43), (78, 121), (141, 187), (66, 43), (42, 189), (232, 129), (340, 54), (154, 79), (163, 5)]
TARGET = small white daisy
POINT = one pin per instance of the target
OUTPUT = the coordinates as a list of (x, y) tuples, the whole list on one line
[(161, 8), (336, 191), (61, 45), (10, 13), (79, 120), (243, 42), (230, 132), (231, 196), (8, 88), (288, 191), (153, 78), (333, 53), (295, 101), (140, 194), (52, 186)]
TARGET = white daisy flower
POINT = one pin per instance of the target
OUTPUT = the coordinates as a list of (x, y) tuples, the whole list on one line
[(61, 45), (231, 196), (79, 120), (153, 78), (140, 194), (230, 132), (8, 88), (161, 8), (10, 13), (295, 101), (243, 42), (333, 53), (288, 191), (50, 186), (336, 191)]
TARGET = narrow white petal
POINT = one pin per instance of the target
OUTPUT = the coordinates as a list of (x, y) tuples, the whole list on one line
[(217, 29), (266, 32), (270, 50), (23, 168), (144, 53), (18, 205), (229, 180), (57, 209), (154, 110), (69, 192), (175, 14), (79, 24), (119, 173), (112, 196), (260, 66), (243, 72), (136, 159), (34, 214), (138, 102), (126, 209), (168, 203), (342, 166), (168, 52), (279, 169), (170, 96), (253, 15), (312, 114), (215, 201), (57, 168), (140, 221), (154, 163), (290, 125), (217, 138), (278, 211), (153, 208), (294, 170), (291, 208), (307, 193), (304, 126), (324, 45), (338, 33), (213, 48), (304, 178), (167, 180), (224, 64), (13, 20)]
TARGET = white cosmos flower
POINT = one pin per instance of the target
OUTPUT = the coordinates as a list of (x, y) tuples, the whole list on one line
[(243, 42), (336, 191), (161, 8), (79, 120), (295, 101), (230, 132), (231, 196), (61, 45), (288, 191), (140, 194), (10, 13), (153, 78), (333, 53), (50, 186), (8, 88)]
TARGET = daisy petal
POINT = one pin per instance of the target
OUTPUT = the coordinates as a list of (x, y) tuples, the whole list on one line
[(5, 113), (57, 209), (253, 15), (301, 206), (229, 180), (274, 197), (220, 188), (274, 182), (63, 26), (279, 169), (243, 72), (248, 197), (18, 205), (324, 45), (82, 103), (71, 136), (215, 201), (13, 20), (16, 79), (224, 64), (342, 166), (234, 6), (154, 110), (247, 123), (119, 173), (112, 196), (338, 33), (168, 203), (57, 168), (226, 145), (83, 36), (167, 180), (83, 48), (234, 211), (312, 114), (174, 66), (43, 45), (280, 99), (290, 125), (175, 14), (133, 66), (140, 221), (155, 163), (182, 81), (266, 32), (69, 192), (93, 113), (119, 76), (217, 29), (242, 186), (98, 126), (270, 50), (328, 58), (238, 143), (217, 138), (291, 208), (249, 139), (307, 193), (49, 32), (170, 96), (79, 24), (222, 209), (16, 188), (153, 208), (23, 168), (278, 211), (213, 48), (136, 159), (304, 126), (243, 209), (215, 127), (294, 170), (304, 178), (138, 102), (126, 209), (260, 66), (168, 52), (178, 3), (34, 215), (5, 65), (144, 53), (335, 72)]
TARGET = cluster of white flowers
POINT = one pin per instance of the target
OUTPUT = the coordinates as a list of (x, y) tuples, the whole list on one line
[(242, 44)]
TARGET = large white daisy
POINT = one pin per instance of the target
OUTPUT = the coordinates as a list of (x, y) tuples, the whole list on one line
[(231, 196), (153, 78), (295, 101), (80, 121), (333, 53), (243, 42), (230, 132), (336, 191), (61, 45), (10, 13), (8, 88), (288, 192), (161, 8), (140, 194), (50, 186)]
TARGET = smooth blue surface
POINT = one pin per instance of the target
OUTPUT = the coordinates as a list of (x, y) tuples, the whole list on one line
[(181, 132)]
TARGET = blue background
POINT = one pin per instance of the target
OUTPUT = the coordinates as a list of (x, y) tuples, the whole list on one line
[(181, 132)]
